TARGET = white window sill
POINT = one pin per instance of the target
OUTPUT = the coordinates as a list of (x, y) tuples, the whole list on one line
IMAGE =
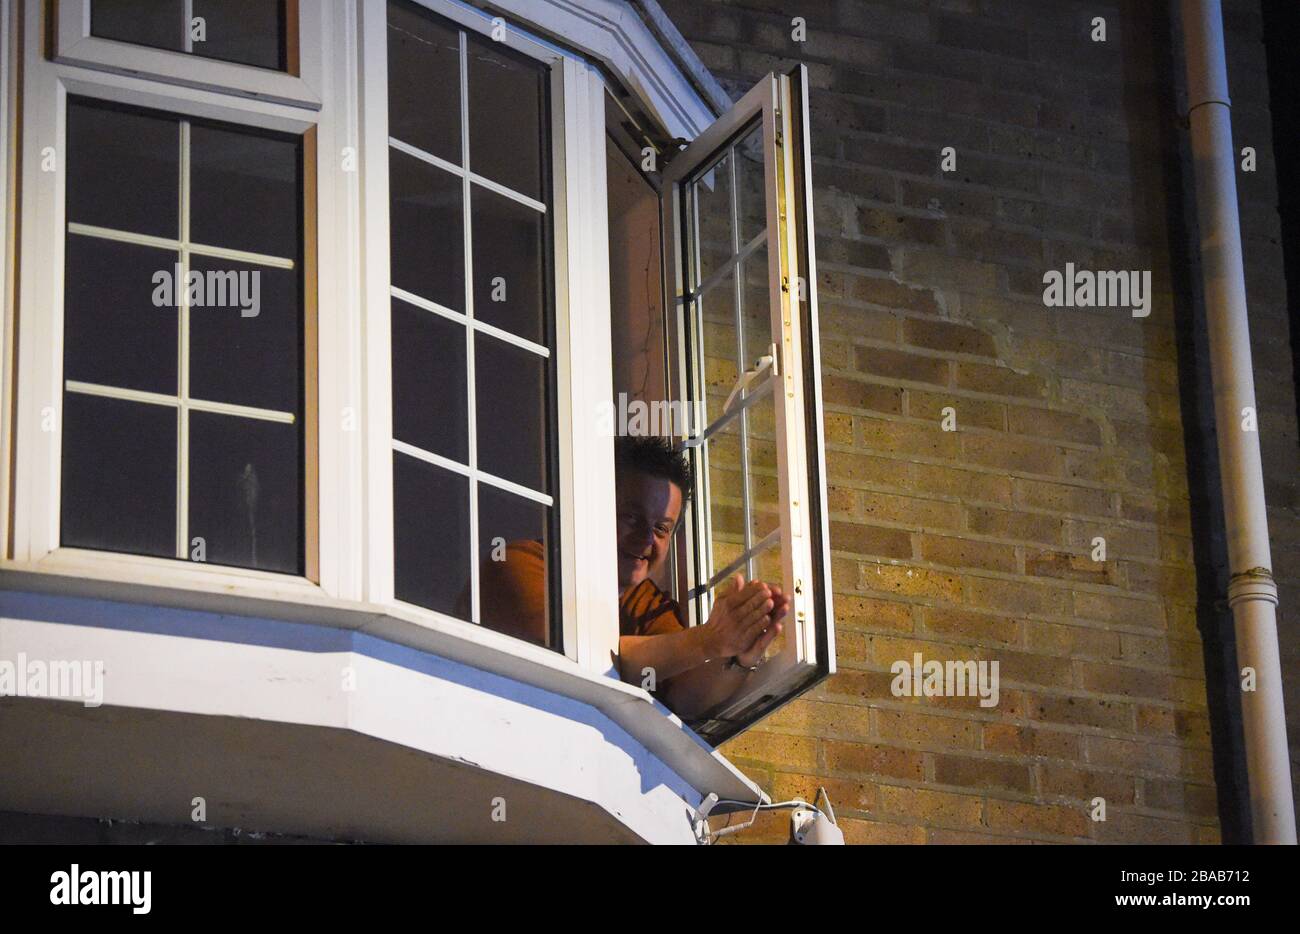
[(64, 588)]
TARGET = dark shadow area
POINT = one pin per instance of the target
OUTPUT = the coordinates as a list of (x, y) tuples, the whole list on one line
[(1281, 29)]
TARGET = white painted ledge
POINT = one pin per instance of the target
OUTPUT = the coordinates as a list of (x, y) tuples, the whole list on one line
[(540, 723)]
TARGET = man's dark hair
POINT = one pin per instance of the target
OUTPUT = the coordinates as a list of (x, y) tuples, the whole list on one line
[(656, 457)]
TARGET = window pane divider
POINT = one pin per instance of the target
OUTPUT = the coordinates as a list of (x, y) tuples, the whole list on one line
[(198, 405), (416, 153), (453, 315), (507, 192), (471, 393), (764, 388), (732, 262), (165, 243), (738, 297), (770, 539), (472, 472), (183, 349)]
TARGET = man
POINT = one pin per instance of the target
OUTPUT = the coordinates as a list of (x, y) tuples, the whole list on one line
[(695, 668)]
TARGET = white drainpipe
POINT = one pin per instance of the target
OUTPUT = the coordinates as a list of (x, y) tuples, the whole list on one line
[(1252, 594)]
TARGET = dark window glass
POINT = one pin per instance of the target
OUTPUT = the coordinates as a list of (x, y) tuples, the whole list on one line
[(507, 104), (512, 402), (424, 83), (113, 332), (156, 23), (123, 169), (238, 356), (430, 409), (428, 231), (508, 141), (245, 491), (430, 536), (515, 592), (751, 192), (635, 287), (246, 32), (509, 254), (244, 191), (122, 314), (119, 476)]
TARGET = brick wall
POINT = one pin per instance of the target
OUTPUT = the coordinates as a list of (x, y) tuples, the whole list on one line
[(1072, 424)]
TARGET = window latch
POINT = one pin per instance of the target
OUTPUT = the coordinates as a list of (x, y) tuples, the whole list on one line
[(749, 377)]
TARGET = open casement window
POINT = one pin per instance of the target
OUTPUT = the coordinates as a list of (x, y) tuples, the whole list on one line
[(744, 356)]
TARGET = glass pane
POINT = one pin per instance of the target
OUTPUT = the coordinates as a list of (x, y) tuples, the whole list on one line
[(510, 289), (119, 476), (245, 191), (717, 310), (513, 578), (423, 83), (247, 32), (250, 32), (507, 114), (635, 285), (767, 567), (726, 496), (756, 308), (427, 231), (114, 333), (430, 409), (512, 412), (245, 491), (246, 339), (112, 151), (430, 536), (713, 235), (751, 203), (156, 23), (760, 454)]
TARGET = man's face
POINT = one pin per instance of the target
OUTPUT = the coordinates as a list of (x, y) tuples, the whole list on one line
[(648, 508)]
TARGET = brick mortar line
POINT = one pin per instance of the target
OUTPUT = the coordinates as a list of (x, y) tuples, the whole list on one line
[(1126, 663), (1082, 622), (866, 486), (1059, 479)]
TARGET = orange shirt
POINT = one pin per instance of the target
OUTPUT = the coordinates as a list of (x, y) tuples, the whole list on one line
[(512, 598), (645, 610)]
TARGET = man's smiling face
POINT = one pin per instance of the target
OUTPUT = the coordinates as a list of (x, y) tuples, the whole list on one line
[(648, 509)]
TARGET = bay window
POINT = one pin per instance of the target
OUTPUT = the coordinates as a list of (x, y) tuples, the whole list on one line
[(318, 305)]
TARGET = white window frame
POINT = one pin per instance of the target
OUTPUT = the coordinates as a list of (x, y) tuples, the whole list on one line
[(341, 96), (300, 85), (353, 340), (584, 487), (779, 104), (36, 481)]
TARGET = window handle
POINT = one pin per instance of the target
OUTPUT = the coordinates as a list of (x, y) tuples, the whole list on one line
[(749, 377)]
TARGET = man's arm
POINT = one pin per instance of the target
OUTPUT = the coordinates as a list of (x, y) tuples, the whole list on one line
[(690, 663), (697, 691)]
